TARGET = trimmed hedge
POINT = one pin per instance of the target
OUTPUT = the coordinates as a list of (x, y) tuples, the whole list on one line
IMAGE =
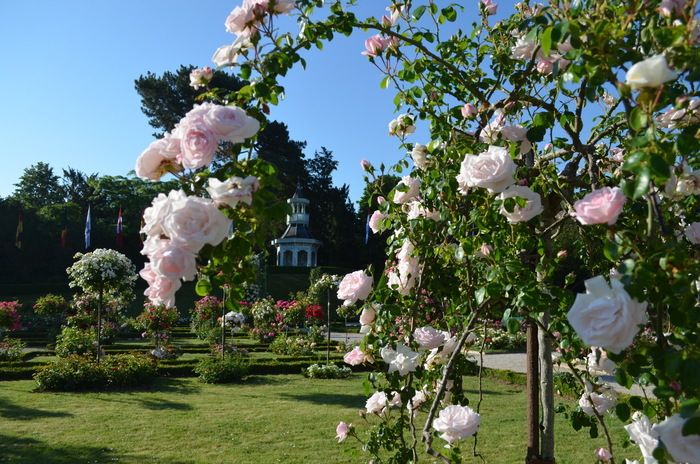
[(76, 373)]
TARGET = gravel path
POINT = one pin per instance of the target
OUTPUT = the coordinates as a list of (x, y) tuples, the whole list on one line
[(514, 362)]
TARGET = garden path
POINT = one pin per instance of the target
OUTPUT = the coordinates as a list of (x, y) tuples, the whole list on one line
[(514, 362)]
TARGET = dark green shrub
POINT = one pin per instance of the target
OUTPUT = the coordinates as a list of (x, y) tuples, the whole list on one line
[(70, 374), (75, 341), (128, 370), (214, 369), (292, 346), (75, 373), (566, 384), (11, 349)]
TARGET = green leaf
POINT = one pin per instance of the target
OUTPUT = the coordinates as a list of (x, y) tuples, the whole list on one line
[(641, 183), (636, 403), (546, 41), (384, 83), (480, 295), (203, 287), (611, 250), (691, 427), (659, 168), (418, 12), (449, 13), (622, 411), (638, 119), (634, 161)]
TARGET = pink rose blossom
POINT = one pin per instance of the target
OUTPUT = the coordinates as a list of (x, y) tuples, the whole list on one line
[(428, 337), (468, 111), (485, 250), (355, 357), (233, 191), (366, 165), (161, 290), (602, 454), (200, 77), (156, 160), (375, 45), (375, 221), (230, 123), (197, 144), (490, 7), (170, 258), (354, 286), (368, 315), (193, 220), (600, 206), (341, 431)]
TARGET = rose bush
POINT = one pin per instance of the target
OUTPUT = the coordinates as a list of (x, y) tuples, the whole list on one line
[(555, 105)]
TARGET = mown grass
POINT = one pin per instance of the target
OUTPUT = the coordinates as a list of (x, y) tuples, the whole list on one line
[(270, 419)]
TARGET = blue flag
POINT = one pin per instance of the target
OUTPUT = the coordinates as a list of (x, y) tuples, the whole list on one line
[(88, 229), (367, 229)]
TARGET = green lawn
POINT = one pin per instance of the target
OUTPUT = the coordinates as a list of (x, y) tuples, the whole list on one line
[(270, 419)]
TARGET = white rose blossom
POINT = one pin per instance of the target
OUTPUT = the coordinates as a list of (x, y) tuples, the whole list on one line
[(377, 403), (692, 233), (412, 190), (233, 190), (402, 126), (641, 432), (606, 315), (532, 208), (402, 360), (597, 360), (601, 402), (419, 155), (683, 448), (456, 423), (652, 72), (492, 170)]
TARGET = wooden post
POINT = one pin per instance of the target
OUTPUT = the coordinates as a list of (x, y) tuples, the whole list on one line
[(546, 393), (533, 397)]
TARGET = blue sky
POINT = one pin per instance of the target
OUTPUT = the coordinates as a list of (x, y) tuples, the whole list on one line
[(68, 97)]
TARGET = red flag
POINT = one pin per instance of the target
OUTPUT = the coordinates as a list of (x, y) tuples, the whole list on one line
[(120, 229), (19, 233), (64, 237)]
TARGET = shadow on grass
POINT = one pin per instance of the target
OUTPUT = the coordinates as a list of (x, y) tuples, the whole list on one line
[(178, 386), (20, 450), (349, 401), (158, 404), (30, 451), (489, 392), (264, 380), (10, 410)]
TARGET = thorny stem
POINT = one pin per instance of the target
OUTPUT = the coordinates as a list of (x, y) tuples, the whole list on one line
[(427, 435)]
